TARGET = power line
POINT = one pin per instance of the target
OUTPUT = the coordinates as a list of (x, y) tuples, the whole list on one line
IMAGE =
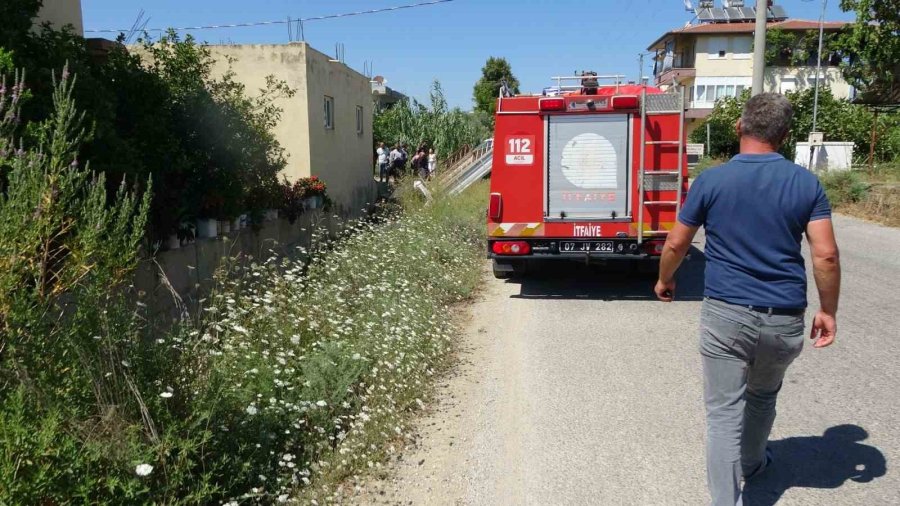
[(283, 21)]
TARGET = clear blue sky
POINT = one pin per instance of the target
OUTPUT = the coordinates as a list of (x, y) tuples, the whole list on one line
[(448, 42)]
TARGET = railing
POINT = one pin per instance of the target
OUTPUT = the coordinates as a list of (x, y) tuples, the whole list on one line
[(617, 80), (455, 157), (461, 162), (674, 61)]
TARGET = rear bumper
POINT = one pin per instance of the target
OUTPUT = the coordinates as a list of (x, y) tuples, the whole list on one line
[(543, 248)]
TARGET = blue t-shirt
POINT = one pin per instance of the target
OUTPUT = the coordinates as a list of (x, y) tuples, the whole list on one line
[(755, 209)]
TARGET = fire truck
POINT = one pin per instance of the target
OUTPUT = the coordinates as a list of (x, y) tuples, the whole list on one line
[(585, 171)]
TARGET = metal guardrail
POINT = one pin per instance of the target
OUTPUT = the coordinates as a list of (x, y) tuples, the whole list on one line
[(476, 171), (463, 164)]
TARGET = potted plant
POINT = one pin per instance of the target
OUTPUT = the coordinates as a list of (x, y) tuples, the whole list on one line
[(314, 189), (210, 206)]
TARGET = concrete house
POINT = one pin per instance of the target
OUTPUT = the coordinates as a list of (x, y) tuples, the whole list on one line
[(715, 60), (326, 127), (60, 13)]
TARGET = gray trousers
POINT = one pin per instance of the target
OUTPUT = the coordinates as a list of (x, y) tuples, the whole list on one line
[(745, 355)]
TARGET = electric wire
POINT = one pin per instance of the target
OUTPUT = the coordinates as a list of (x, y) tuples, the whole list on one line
[(281, 21)]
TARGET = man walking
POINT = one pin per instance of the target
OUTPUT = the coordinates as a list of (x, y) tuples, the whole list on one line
[(755, 209)]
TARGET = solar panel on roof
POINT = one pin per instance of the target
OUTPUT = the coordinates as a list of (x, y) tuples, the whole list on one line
[(777, 12), (719, 14), (704, 15), (747, 12), (733, 13)]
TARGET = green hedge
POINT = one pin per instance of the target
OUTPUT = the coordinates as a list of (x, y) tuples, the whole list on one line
[(205, 141), (838, 119)]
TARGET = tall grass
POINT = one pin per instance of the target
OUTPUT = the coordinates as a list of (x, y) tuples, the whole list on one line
[(297, 374)]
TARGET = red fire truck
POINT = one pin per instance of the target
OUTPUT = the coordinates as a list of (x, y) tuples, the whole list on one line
[(588, 171)]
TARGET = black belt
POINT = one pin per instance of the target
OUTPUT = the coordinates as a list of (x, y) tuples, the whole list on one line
[(780, 311)]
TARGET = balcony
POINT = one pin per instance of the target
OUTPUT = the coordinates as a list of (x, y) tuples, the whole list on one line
[(680, 74), (674, 66)]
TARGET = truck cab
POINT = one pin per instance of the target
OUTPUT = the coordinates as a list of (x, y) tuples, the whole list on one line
[(586, 172)]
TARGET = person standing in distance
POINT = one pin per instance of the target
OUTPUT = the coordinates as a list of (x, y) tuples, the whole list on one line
[(432, 163), (383, 155), (755, 209)]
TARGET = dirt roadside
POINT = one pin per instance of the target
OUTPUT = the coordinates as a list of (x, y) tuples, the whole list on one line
[(433, 468)]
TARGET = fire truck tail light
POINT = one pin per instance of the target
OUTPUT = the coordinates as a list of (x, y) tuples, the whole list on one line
[(552, 104), (625, 102), (495, 208), (511, 248)]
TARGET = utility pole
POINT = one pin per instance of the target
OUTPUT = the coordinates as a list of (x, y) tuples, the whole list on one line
[(759, 46), (819, 65), (640, 79)]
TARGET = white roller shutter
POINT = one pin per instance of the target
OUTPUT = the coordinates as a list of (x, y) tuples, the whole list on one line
[(587, 167)]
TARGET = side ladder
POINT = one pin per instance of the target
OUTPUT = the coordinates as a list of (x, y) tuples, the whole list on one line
[(654, 105)]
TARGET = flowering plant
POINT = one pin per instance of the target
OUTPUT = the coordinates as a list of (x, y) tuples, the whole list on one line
[(312, 185)]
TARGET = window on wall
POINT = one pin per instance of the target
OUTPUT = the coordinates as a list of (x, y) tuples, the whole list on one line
[(743, 48), (788, 85), (359, 120), (717, 48), (704, 95), (329, 112)]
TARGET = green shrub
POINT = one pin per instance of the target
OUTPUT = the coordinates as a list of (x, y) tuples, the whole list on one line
[(707, 162), (844, 187), (68, 335), (838, 119), (205, 140)]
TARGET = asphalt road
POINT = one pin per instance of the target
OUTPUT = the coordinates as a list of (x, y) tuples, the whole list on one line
[(577, 387)]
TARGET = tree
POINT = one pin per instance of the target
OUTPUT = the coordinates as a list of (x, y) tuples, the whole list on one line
[(801, 48), (839, 119), (487, 89), (17, 16), (873, 42)]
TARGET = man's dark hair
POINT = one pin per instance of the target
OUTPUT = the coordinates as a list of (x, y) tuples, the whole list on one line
[(767, 117)]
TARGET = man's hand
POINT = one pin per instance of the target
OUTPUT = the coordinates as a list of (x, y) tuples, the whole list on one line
[(665, 291), (824, 329), (678, 242)]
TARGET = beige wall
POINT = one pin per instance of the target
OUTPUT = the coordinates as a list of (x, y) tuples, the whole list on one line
[(738, 60), (61, 13), (339, 156), (802, 78)]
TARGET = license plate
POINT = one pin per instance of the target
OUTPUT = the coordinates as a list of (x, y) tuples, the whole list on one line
[(586, 247)]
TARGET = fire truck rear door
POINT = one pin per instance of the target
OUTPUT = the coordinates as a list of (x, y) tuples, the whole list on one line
[(587, 167)]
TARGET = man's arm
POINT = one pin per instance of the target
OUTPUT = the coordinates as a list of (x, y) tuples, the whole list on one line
[(677, 245), (827, 272)]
